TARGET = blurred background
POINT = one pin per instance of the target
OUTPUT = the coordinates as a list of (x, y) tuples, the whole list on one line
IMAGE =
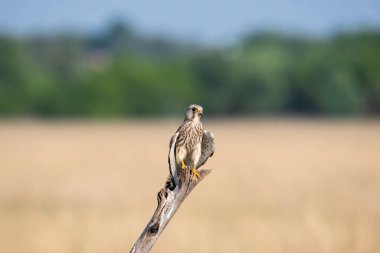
[(91, 91)]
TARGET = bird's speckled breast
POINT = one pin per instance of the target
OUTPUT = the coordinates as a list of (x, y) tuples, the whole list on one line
[(190, 135)]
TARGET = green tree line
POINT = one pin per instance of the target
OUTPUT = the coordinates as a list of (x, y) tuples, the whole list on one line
[(119, 73)]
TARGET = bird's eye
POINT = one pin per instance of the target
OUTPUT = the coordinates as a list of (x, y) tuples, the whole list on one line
[(194, 109)]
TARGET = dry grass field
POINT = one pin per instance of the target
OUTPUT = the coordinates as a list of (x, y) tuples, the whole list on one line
[(276, 186)]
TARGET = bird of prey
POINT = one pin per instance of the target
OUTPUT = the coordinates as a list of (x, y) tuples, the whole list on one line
[(190, 146)]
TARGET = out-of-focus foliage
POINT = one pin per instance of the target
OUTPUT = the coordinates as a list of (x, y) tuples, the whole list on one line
[(117, 73)]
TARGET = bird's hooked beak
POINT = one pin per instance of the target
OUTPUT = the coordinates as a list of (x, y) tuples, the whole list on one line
[(200, 112)]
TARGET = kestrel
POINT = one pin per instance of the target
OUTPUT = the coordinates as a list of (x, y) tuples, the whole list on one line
[(190, 146)]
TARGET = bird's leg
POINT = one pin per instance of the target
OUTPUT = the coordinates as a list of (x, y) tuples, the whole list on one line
[(184, 166), (195, 173)]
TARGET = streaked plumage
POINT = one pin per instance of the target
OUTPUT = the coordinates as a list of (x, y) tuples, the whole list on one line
[(190, 145)]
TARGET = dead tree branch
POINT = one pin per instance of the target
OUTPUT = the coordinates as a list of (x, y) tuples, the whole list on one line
[(168, 203)]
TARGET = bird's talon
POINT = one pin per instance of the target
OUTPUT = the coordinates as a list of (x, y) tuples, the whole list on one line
[(195, 174), (184, 166)]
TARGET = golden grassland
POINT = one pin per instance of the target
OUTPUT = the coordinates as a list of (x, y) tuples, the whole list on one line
[(276, 186)]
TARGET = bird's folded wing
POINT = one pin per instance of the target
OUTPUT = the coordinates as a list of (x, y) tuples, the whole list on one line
[(208, 147), (171, 158)]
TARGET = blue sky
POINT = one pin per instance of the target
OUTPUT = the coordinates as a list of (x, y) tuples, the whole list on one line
[(199, 20)]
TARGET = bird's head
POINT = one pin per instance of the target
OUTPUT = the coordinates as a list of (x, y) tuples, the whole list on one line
[(194, 112)]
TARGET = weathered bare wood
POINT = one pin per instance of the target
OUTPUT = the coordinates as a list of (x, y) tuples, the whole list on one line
[(168, 203)]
